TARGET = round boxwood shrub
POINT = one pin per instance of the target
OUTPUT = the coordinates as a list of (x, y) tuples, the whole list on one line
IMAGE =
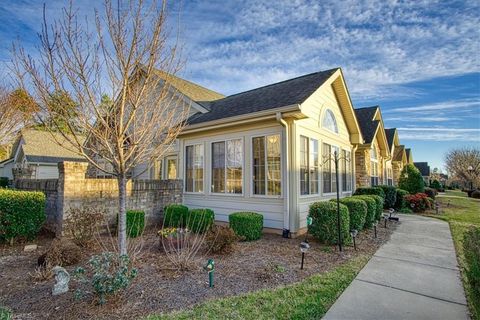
[(379, 206), (22, 214), (400, 203), (324, 222), (248, 225), (357, 209), (371, 210), (200, 220), (175, 215), (135, 223), (390, 196), (371, 190)]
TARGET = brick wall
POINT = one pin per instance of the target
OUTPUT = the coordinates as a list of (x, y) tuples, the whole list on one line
[(73, 190)]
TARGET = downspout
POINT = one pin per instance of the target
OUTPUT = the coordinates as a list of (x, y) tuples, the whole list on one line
[(354, 172), (286, 216)]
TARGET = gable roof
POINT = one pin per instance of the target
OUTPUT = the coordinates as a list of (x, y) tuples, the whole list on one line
[(390, 133), (400, 154), (41, 146), (367, 123), (192, 90), (408, 151), (281, 94), (423, 167)]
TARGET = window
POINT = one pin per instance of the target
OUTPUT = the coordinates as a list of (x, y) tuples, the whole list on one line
[(267, 165), (172, 168), (227, 166), (329, 177), (346, 171), (373, 167), (156, 170), (194, 168), (308, 166), (329, 122), (390, 177)]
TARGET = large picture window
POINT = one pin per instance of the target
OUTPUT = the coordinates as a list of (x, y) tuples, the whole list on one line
[(194, 168), (267, 174), (308, 166), (373, 167), (227, 166), (329, 177), (346, 171)]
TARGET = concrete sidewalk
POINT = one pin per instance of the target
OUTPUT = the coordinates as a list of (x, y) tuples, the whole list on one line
[(413, 276)]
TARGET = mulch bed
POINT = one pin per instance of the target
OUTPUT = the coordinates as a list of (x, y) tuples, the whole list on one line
[(267, 263)]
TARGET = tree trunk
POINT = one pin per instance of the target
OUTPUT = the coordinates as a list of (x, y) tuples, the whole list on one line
[(122, 214)]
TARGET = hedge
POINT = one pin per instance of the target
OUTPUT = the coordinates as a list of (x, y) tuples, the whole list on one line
[(471, 248), (357, 210), (22, 214), (390, 196), (248, 225), (379, 206), (401, 203), (369, 191), (175, 215), (371, 210), (200, 220), (135, 223), (324, 225)]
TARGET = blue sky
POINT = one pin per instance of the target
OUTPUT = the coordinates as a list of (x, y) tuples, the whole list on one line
[(418, 60)]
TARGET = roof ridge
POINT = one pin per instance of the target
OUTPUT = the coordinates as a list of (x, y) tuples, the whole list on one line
[(283, 81), (364, 108)]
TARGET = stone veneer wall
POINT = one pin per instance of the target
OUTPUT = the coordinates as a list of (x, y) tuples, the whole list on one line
[(73, 190), (397, 167), (362, 168)]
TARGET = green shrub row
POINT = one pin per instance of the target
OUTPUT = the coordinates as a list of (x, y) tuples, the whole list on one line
[(248, 225), (400, 203), (324, 225), (370, 191), (22, 214), (471, 247), (371, 210), (135, 223), (390, 196), (197, 220)]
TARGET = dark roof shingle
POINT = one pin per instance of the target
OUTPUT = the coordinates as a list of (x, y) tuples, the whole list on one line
[(281, 94), (368, 126), (390, 133), (423, 167)]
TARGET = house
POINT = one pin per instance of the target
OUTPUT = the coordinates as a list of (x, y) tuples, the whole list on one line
[(398, 157), (36, 154), (268, 150), (399, 161), (424, 169), (372, 155), (408, 151)]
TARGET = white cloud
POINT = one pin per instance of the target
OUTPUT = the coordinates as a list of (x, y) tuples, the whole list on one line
[(446, 105)]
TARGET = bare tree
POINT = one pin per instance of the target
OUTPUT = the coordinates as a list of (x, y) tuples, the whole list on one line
[(464, 164), (121, 57)]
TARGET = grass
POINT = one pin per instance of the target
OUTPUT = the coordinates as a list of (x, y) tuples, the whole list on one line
[(461, 213), (5, 313), (309, 299)]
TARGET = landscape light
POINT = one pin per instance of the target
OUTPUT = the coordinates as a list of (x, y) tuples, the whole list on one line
[(304, 246), (354, 233)]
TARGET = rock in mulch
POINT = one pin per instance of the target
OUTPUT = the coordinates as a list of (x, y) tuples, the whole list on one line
[(30, 248)]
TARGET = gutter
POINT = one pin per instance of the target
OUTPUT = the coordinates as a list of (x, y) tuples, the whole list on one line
[(286, 216)]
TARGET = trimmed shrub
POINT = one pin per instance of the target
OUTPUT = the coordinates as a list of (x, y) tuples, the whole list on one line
[(390, 196), (476, 194), (175, 215), (221, 239), (135, 223), (324, 222), (471, 248), (418, 202), (411, 179), (61, 252), (371, 210), (357, 210), (379, 206), (432, 193), (400, 202), (248, 225), (199, 220), (22, 214), (371, 190), (3, 182)]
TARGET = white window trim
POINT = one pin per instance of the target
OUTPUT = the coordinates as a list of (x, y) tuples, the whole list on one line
[(351, 172), (327, 110), (319, 172), (185, 169), (252, 194), (223, 194)]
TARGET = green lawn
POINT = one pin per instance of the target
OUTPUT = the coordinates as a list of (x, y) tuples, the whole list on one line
[(309, 299), (461, 213)]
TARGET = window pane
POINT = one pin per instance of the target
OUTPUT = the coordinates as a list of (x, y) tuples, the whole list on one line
[(189, 169), (329, 122), (234, 165), (218, 167), (313, 165), (156, 170), (344, 170), (327, 169), (273, 165), (304, 167), (171, 169), (334, 176), (259, 165)]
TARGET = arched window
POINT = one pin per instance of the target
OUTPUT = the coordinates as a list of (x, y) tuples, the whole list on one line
[(329, 122)]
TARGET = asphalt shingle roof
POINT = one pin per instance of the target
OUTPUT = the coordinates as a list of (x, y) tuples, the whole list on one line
[(423, 167), (390, 133), (281, 94), (368, 126), (408, 152), (399, 153)]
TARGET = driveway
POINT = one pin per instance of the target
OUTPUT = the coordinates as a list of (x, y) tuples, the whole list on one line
[(412, 276)]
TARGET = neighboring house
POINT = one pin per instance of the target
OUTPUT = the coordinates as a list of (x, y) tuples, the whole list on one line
[(424, 169), (398, 157), (36, 154), (408, 151), (371, 157), (398, 162), (269, 150)]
